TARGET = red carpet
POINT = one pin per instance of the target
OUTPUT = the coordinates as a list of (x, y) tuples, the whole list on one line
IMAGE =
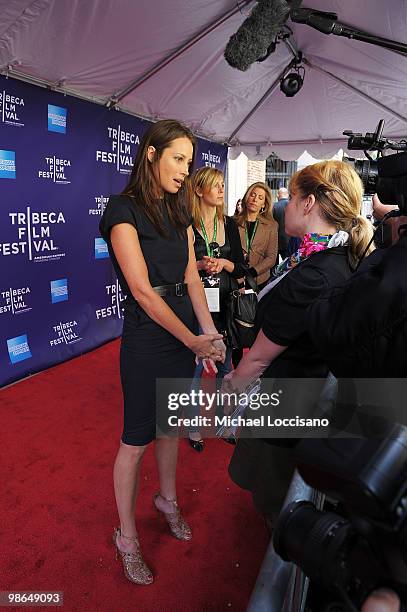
[(60, 431)]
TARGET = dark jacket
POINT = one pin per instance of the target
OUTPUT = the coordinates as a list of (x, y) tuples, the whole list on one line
[(361, 327), (279, 215)]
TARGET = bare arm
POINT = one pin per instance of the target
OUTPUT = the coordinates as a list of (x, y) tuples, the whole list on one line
[(262, 353), (253, 364), (126, 246)]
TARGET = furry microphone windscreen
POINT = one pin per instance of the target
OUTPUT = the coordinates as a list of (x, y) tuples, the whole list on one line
[(257, 32)]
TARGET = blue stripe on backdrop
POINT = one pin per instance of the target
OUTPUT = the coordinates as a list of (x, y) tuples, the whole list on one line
[(60, 158)]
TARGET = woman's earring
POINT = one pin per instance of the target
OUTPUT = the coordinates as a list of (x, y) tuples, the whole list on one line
[(151, 153), (262, 209)]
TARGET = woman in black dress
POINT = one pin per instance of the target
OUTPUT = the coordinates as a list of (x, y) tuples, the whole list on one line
[(151, 247)]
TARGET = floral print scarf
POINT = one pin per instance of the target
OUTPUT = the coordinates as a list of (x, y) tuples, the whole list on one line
[(311, 243)]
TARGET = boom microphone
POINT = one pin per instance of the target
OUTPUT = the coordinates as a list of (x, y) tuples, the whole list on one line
[(258, 32)]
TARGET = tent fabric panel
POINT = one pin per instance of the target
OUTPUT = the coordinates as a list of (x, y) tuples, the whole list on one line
[(98, 49)]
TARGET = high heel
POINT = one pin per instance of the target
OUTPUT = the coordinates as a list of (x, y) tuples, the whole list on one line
[(230, 439), (135, 568), (177, 524), (197, 445)]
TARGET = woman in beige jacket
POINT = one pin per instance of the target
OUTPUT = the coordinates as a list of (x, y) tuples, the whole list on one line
[(259, 238), (258, 232)]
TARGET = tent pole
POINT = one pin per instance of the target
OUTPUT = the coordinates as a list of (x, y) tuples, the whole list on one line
[(58, 88), (354, 89), (167, 60)]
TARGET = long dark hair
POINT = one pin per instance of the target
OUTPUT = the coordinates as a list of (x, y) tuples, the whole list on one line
[(143, 186)]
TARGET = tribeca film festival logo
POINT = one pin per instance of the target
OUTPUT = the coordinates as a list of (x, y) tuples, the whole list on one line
[(210, 159), (7, 164), (120, 154), (65, 333), (99, 206), (56, 170), (115, 298), (18, 348), (14, 300), (11, 108), (59, 290), (57, 119), (34, 239)]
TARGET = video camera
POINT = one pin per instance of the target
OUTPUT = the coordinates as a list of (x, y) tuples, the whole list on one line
[(362, 544), (387, 174)]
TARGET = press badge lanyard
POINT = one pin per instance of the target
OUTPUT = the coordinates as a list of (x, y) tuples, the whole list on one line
[(211, 283), (205, 235), (249, 241)]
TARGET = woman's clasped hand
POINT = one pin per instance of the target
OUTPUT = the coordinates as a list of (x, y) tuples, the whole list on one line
[(208, 346), (212, 265)]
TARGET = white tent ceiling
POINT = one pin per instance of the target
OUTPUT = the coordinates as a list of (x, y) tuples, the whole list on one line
[(164, 58)]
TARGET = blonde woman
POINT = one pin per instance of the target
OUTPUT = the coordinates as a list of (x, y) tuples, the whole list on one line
[(219, 259), (258, 232), (324, 210)]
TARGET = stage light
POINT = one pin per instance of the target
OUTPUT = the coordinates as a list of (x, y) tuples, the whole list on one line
[(292, 82)]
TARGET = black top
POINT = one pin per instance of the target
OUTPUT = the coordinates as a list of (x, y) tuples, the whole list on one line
[(283, 313), (166, 257), (361, 327), (250, 228), (231, 250)]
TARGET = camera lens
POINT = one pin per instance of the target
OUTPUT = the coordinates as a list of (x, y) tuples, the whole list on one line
[(368, 172), (316, 541)]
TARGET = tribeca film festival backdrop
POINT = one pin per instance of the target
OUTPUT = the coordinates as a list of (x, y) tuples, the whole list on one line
[(60, 158)]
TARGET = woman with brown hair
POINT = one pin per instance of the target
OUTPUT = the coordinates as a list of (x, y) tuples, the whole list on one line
[(151, 247), (324, 210), (219, 259)]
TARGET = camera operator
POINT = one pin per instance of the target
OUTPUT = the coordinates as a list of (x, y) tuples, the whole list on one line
[(394, 223), (361, 327)]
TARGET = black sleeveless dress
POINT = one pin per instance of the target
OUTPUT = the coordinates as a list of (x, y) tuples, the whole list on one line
[(148, 351), (232, 250), (219, 318)]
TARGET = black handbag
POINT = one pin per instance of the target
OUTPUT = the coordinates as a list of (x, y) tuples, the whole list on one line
[(241, 314)]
